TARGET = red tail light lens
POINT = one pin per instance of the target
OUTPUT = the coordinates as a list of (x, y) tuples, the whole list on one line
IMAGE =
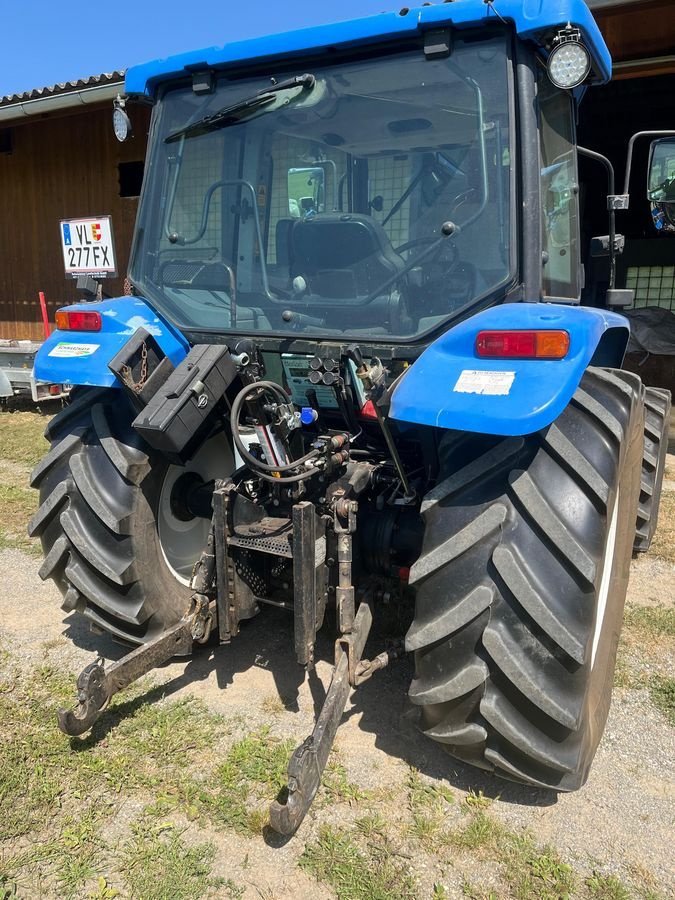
[(78, 321), (368, 410), (523, 344)]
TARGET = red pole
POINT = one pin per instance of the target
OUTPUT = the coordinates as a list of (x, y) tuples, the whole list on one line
[(45, 317)]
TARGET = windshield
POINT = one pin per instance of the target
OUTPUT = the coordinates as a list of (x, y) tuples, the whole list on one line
[(365, 198)]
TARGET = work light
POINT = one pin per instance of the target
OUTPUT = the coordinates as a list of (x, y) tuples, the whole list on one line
[(569, 62), (121, 121)]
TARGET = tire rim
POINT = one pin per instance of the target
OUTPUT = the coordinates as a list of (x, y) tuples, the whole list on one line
[(607, 568), (182, 542)]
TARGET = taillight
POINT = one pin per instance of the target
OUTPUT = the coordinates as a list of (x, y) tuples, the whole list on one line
[(78, 321), (523, 344)]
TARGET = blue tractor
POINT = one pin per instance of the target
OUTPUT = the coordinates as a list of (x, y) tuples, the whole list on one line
[(354, 370)]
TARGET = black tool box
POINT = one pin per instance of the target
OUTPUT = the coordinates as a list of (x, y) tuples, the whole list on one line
[(178, 415)]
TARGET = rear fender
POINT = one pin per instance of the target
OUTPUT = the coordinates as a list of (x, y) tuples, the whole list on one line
[(82, 357), (450, 386)]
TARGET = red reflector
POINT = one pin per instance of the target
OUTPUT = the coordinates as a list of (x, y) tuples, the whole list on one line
[(368, 410), (523, 344), (55, 389), (78, 321)]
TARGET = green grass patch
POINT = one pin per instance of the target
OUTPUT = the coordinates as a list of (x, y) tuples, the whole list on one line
[(237, 794), (649, 632), (336, 786), (17, 504), (662, 693), (475, 801), (157, 864), (650, 622), (428, 803), (56, 791), (607, 887), (354, 873), (254, 771), (528, 871), (22, 437), (663, 544)]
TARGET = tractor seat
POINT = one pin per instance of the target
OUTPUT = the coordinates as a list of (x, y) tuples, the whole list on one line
[(342, 255)]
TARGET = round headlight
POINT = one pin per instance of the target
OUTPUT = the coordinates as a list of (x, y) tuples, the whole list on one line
[(569, 65)]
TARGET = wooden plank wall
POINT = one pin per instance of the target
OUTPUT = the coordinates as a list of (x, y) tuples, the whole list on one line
[(643, 30), (60, 167)]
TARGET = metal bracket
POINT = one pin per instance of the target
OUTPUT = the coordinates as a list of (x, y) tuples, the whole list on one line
[(96, 685), (618, 201)]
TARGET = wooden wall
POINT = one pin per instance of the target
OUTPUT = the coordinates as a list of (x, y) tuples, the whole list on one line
[(61, 166), (640, 31)]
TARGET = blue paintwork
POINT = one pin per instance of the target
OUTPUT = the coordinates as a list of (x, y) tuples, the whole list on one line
[(530, 18), (540, 391), (121, 317)]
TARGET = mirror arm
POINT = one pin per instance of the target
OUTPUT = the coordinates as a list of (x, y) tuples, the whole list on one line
[(611, 188), (629, 161)]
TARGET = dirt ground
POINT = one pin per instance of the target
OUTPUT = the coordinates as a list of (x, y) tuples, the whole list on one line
[(394, 807)]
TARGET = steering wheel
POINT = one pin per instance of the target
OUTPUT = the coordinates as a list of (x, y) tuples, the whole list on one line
[(447, 250)]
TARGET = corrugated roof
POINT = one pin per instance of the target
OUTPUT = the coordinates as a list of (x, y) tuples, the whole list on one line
[(64, 87)]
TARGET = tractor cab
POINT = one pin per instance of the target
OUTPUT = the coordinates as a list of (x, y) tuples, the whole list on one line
[(379, 192)]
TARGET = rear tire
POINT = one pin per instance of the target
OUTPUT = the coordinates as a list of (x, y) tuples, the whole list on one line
[(657, 423), (521, 586), (102, 506)]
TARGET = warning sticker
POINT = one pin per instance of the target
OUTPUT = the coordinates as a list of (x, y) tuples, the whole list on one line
[(63, 348), (472, 381)]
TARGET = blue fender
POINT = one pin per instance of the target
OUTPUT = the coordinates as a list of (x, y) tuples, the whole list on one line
[(82, 357), (450, 386)]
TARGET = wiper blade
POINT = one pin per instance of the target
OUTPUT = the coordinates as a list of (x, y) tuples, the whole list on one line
[(230, 115)]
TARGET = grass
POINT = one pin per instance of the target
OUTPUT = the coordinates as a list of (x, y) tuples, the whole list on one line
[(662, 693), (336, 786), (648, 635), (58, 795), (356, 873), (22, 437), (238, 792), (157, 864), (21, 443), (428, 804), (663, 544), (650, 622), (17, 504)]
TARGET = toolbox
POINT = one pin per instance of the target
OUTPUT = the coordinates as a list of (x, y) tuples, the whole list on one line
[(180, 412)]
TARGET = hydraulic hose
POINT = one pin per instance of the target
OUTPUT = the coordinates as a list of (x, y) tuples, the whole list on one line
[(241, 447)]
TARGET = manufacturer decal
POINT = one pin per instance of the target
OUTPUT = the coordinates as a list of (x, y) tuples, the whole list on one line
[(64, 348), (472, 381)]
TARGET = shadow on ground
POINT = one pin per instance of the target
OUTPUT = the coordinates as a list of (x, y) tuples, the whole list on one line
[(381, 703)]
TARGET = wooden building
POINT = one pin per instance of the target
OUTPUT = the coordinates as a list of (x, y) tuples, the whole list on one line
[(60, 160)]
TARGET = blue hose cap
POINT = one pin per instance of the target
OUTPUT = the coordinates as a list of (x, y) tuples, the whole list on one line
[(308, 415)]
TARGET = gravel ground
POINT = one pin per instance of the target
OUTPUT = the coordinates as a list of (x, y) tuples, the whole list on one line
[(622, 822)]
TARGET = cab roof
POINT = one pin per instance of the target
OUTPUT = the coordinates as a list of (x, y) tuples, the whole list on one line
[(531, 19)]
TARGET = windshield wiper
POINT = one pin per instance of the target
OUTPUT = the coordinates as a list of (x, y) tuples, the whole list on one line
[(230, 115)]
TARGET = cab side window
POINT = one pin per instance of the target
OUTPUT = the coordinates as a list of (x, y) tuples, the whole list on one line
[(559, 193)]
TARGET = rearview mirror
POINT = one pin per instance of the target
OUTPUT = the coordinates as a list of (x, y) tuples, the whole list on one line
[(661, 184)]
